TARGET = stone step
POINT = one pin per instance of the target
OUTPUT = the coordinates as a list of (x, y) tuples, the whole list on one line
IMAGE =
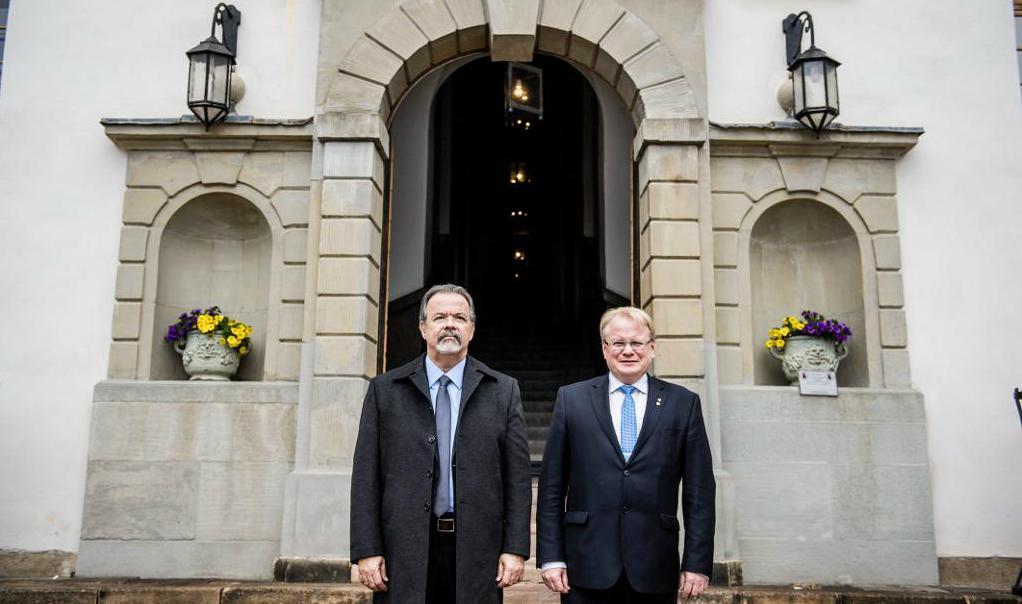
[(530, 591)]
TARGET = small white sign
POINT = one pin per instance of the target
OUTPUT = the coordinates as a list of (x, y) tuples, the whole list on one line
[(817, 383)]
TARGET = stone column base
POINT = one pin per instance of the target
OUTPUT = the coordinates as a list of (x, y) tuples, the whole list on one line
[(316, 515), (727, 573)]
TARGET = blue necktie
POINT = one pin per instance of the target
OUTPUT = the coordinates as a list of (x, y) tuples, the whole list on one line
[(441, 501), (629, 429)]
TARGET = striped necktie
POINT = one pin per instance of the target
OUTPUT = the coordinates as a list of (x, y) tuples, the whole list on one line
[(629, 425)]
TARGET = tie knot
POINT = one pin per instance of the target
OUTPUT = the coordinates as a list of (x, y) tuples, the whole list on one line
[(627, 389), (444, 381)]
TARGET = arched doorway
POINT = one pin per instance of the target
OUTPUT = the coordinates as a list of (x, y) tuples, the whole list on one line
[(521, 217)]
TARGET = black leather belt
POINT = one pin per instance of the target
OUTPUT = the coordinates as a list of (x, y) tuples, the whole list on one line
[(445, 525)]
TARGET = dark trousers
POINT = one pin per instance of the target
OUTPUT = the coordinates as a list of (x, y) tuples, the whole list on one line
[(619, 593), (440, 579)]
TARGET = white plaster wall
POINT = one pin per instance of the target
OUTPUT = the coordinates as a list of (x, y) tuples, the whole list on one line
[(950, 67), (66, 65)]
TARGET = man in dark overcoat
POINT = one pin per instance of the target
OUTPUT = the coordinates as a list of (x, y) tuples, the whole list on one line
[(441, 489), (607, 525)]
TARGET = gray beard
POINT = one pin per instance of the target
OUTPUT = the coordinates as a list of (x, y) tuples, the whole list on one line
[(446, 346)]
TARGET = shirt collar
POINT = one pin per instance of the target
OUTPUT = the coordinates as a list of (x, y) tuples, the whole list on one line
[(641, 384), (433, 373)]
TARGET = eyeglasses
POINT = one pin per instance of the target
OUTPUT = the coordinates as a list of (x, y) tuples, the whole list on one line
[(618, 346)]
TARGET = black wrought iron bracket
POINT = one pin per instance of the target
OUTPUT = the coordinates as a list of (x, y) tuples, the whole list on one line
[(229, 19), (793, 27)]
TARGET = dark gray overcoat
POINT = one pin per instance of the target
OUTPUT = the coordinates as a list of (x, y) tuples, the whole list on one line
[(394, 474)]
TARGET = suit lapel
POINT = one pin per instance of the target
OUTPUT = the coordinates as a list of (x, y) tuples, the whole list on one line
[(469, 382), (657, 394), (415, 372), (601, 406)]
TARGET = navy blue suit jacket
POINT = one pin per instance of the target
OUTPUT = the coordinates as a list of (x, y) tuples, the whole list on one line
[(602, 515)]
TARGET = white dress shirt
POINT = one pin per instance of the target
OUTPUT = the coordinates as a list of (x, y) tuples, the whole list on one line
[(617, 399)]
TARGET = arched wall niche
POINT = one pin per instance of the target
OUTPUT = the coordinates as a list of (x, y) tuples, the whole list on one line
[(805, 255), (216, 248)]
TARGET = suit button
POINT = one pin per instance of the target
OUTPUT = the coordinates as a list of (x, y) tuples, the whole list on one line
[(431, 439), (426, 506), (429, 473), (627, 473), (625, 510)]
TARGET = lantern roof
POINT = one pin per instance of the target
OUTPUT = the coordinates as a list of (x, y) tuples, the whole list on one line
[(813, 53), (211, 45)]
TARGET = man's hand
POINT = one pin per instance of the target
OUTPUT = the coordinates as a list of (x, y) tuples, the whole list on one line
[(692, 584), (556, 579), (372, 572), (510, 570)]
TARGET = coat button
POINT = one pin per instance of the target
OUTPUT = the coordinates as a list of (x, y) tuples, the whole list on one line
[(429, 473), (627, 473), (431, 439), (426, 506), (625, 510)]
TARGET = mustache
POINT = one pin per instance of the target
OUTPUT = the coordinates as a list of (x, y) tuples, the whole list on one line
[(449, 334)]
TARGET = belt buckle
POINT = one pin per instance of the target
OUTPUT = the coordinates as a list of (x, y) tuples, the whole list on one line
[(445, 525)]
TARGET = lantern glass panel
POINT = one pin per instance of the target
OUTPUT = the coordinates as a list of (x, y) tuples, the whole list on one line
[(815, 85), (219, 79), (798, 86), (832, 86), (197, 77)]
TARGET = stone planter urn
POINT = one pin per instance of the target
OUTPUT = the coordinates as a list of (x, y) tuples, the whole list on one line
[(205, 358), (810, 353)]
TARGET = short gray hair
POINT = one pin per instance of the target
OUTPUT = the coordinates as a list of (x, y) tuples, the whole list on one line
[(447, 288), (636, 315)]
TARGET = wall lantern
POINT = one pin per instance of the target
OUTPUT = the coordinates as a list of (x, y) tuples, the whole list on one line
[(210, 65), (523, 95), (519, 174), (813, 75)]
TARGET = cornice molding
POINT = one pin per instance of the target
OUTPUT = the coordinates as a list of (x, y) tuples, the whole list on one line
[(791, 139), (187, 134)]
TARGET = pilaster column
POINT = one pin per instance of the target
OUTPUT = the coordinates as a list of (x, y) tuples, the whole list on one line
[(676, 280), (341, 336)]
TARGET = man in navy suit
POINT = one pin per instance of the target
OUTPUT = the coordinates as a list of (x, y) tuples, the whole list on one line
[(619, 445)]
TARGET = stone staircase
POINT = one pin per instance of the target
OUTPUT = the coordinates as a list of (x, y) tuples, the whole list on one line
[(210, 591), (541, 363)]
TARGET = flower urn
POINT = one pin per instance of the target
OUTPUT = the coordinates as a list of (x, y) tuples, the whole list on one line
[(206, 357), (809, 353)]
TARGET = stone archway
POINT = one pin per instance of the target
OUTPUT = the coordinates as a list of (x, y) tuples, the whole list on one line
[(353, 147)]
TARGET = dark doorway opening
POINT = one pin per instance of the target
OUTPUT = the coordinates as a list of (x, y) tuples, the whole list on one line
[(514, 217)]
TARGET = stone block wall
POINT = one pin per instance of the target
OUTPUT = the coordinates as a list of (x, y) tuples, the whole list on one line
[(187, 479), (830, 491)]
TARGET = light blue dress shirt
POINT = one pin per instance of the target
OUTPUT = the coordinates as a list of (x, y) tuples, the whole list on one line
[(456, 375)]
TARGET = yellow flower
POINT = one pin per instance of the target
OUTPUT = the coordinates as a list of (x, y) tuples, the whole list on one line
[(205, 323), (243, 350), (769, 343), (233, 342), (218, 318), (774, 333), (779, 343), (792, 319), (222, 341), (238, 330), (785, 331)]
